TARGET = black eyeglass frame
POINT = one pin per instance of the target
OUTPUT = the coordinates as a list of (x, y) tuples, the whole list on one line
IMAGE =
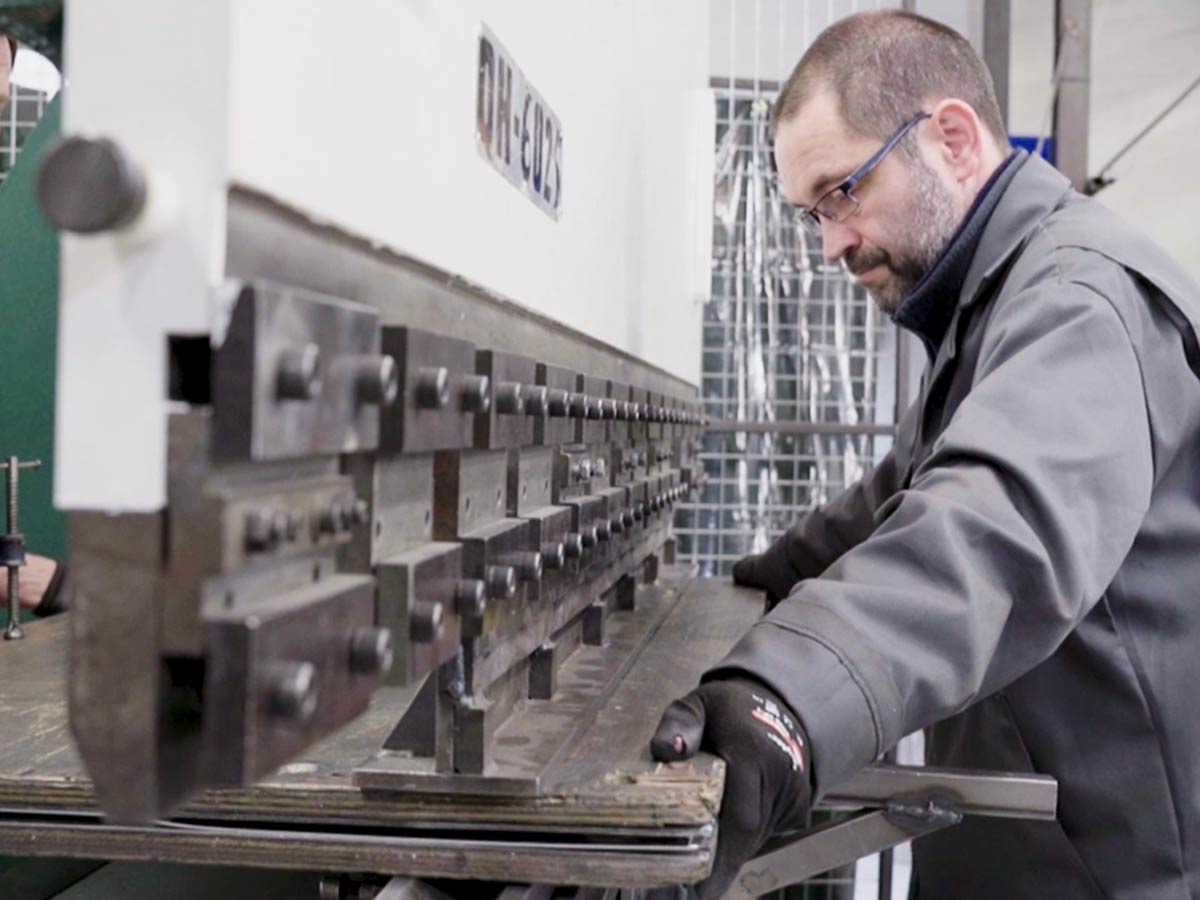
[(810, 216)]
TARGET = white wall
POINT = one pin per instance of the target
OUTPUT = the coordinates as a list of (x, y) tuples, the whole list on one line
[(1143, 56), (367, 119)]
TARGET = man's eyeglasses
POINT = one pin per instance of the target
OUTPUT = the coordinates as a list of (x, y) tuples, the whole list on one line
[(839, 203)]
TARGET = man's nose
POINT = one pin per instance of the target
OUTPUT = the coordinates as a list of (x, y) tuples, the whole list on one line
[(836, 239)]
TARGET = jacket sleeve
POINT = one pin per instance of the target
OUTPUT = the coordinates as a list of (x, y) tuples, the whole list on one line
[(810, 546), (1009, 533)]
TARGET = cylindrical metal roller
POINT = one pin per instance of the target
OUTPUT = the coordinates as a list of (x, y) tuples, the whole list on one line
[(376, 379), (592, 407), (588, 536), (90, 185), (427, 621), (371, 650), (603, 531), (573, 545), (299, 374), (627, 518), (537, 400), (501, 582), (553, 555), (583, 469), (508, 398), (470, 597), (526, 563), (639, 511), (558, 402), (578, 405), (433, 387), (616, 524), (259, 530), (475, 394), (292, 690)]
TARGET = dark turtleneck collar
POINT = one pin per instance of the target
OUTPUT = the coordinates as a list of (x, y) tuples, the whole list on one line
[(928, 309)]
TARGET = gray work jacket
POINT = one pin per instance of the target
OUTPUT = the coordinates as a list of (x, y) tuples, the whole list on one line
[(1021, 574)]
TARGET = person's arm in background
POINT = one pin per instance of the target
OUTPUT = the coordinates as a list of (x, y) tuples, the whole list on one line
[(42, 581), (41, 577)]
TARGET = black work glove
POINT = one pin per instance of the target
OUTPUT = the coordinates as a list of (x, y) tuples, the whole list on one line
[(767, 773), (762, 570)]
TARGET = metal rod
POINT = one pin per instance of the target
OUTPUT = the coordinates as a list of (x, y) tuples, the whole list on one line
[(822, 428), (13, 631), (15, 544)]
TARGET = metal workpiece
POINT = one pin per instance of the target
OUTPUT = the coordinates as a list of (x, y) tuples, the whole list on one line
[(425, 601), (438, 391), (508, 423), (284, 378), (12, 542)]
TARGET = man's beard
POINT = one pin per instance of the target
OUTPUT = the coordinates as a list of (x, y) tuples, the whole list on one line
[(923, 230)]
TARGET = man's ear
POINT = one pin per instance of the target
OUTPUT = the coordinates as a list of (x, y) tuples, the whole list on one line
[(959, 136)]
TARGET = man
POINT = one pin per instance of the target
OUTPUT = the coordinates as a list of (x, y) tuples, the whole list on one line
[(41, 577), (1019, 576)]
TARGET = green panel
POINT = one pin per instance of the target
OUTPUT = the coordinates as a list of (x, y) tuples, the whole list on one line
[(29, 321)]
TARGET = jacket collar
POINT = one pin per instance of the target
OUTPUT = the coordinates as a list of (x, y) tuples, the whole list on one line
[(1035, 190), (928, 310)]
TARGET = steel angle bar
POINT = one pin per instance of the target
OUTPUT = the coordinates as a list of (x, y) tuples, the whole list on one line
[(837, 844), (1005, 794), (904, 802)]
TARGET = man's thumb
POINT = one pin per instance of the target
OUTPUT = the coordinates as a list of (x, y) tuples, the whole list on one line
[(680, 730), (745, 571)]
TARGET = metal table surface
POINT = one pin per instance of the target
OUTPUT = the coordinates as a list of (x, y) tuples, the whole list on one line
[(617, 818)]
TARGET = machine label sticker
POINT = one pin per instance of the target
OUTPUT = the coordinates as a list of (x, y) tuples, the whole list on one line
[(515, 129)]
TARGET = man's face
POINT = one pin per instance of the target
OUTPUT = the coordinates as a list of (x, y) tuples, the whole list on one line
[(906, 214), (5, 69)]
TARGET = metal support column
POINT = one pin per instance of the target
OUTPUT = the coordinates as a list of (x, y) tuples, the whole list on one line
[(997, 25), (1073, 32)]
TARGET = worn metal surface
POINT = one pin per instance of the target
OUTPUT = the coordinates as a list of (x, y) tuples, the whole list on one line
[(606, 783)]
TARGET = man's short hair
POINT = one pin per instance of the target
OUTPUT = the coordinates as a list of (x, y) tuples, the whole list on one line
[(883, 67)]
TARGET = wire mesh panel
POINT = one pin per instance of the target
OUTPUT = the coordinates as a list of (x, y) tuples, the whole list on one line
[(788, 340), (17, 120)]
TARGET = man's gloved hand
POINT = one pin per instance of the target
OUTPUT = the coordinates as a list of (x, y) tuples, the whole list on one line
[(767, 775), (758, 571)]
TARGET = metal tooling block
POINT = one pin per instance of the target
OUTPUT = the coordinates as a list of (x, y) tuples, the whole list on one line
[(517, 400), (530, 472), (423, 599), (591, 399), (550, 527), (640, 398), (557, 427), (440, 394), (287, 673), (586, 514), (618, 429), (297, 374), (398, 493)]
